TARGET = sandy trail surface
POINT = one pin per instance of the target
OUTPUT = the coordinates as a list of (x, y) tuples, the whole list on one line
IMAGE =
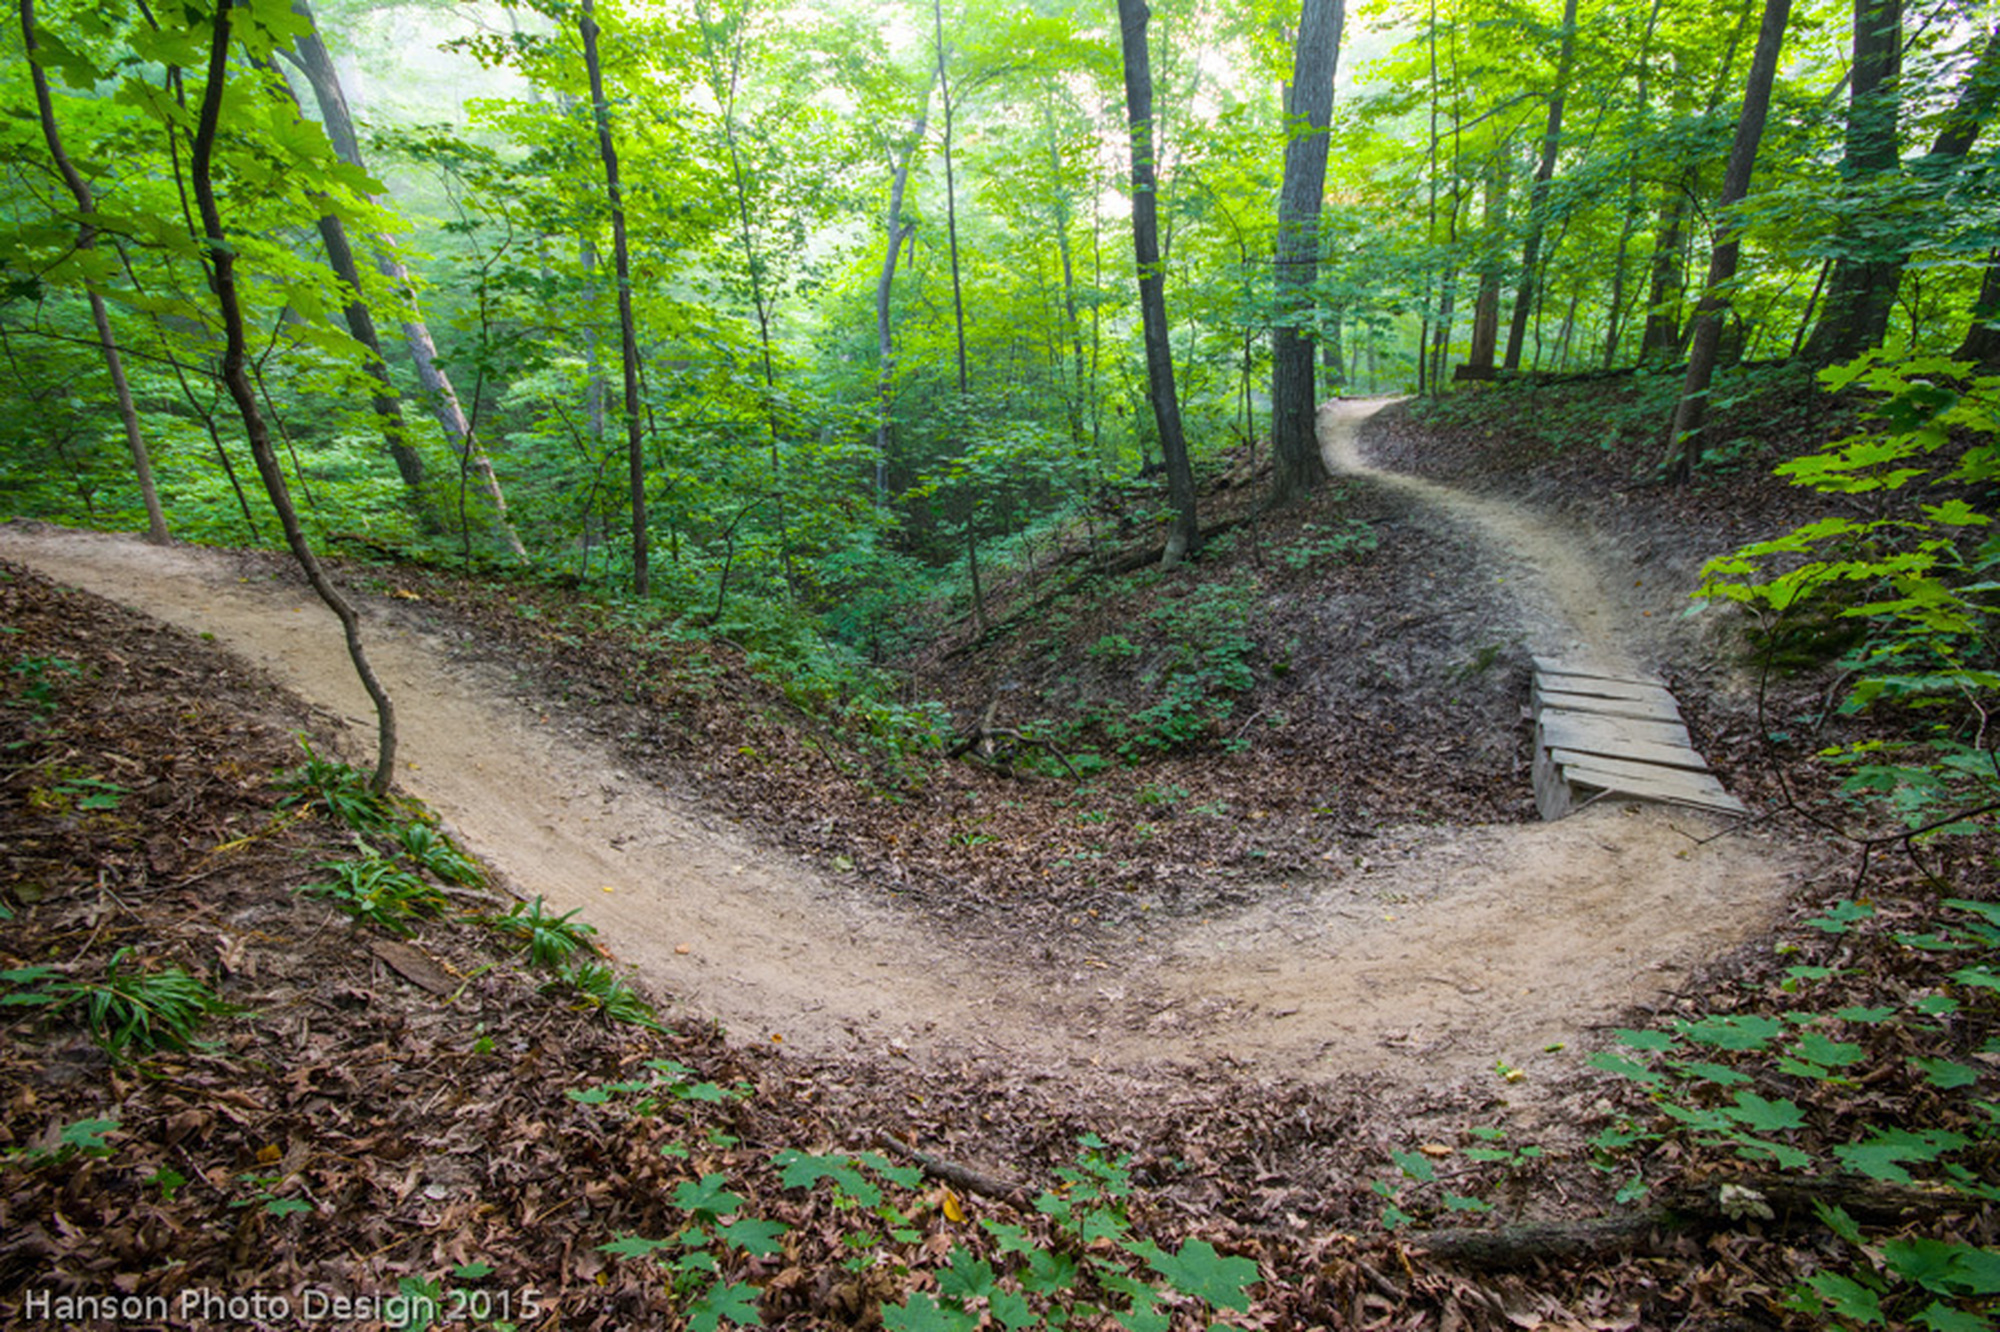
[(1436, 954)]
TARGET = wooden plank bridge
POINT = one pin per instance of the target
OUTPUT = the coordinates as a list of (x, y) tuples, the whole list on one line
[(1599, 733)]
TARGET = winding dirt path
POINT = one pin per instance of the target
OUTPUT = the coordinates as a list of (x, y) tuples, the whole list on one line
[(1573, 610), (1442, 952)]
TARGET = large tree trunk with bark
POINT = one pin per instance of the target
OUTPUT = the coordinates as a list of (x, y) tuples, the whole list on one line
[(1861, 293), (1184, 538), (628, 328), (1484, 346), (86, 239), (1684, 436), (235, 377), (1538, 196), (309, 56), (1294, 407)]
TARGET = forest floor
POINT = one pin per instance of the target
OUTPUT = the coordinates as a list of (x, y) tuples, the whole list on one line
[(1258, 970)]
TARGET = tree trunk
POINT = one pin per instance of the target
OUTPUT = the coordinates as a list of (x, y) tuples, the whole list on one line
[(222, 279), (1982, 338), (1538, 196), (86, 239), (1614, 322), (1684, 437), (1484, 346), (309, 56), (951, 199), (896, 230), (628, 330), (1061, 223), (1184, 538), (1861, 294), (1294, 411), (388, 404)]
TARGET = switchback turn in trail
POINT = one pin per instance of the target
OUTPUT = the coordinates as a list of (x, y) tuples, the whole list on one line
[(1437, 953)]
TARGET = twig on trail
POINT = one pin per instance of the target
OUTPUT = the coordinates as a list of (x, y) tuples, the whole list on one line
[(950, 1172)]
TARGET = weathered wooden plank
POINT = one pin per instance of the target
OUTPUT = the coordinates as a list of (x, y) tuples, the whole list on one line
[(1669, 790), (1597, 731), (1594, 731), (1637, 751), (1585, 671), (1659, 707), (1608, 765), (1597, 688)]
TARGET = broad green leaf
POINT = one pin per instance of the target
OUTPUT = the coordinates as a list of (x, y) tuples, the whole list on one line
[(1625, 1068), (1826, 1052), (1842, 917), (1848, 1297), (1838, 1221), (966, 1277), (1644, 1040), (735, 1303), (709, 1199), (633, 1246), (1941, 1317), (1416, 1165), (1947, 1074), (1200, 1271), (1765, 1116), (753, 1235), (1922, 1261), (1749, 1032)]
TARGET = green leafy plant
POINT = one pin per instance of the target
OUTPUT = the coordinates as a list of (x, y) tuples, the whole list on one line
[(1095, 1267), (378, 891), (84, 1137), (698, 1260), (1317, 544), (548, 939), (671, 1080), (1742, 1083), (1910, 595), (598, 985), (422, 843), (40, 683), (338, 790), (125, 1009)]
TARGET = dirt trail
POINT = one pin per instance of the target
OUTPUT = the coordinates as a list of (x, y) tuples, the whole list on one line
[(1574, 611), (1441, 952)]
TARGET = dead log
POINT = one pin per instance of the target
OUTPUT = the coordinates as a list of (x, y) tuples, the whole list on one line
[(1772, 1201), (951, 1172)]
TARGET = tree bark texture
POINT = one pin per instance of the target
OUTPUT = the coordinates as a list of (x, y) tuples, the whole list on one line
[(1184, 538), (628, 329), (1484, 346), (1294, 405), (1684, 437), (1861, 294), (86, 239), (1538, 195), (236, 378)]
